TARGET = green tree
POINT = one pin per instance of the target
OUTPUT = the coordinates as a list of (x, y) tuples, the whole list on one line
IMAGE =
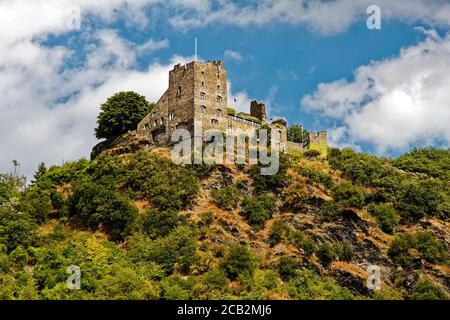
[(121, 113), (294, 133), (239, 261), (258, 209)]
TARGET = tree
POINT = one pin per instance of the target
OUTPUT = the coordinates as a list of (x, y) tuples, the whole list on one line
[(427, 290), (121, 113), (294, 133), (386, 216), (239, 261)]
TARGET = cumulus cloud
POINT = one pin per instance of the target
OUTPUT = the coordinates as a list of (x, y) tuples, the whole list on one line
[(394, 103), (326, 17)]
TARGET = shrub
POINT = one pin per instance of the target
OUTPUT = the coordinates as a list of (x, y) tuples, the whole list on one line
[(430, 248), (316, 176), (386, 216), (160, 223), (421, 198), (348, 196), (287, 268), (228, 197), (207, 218), (311, 154), (399, 250), (258, 209), (326, 254), (278, 232), (427, 290), (96, 206), (179, 247), (238, 262), (270, 183)]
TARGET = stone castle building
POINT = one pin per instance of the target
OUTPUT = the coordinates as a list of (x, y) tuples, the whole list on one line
[(198, 92)]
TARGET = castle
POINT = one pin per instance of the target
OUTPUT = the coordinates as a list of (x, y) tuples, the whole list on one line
[(198, 92)]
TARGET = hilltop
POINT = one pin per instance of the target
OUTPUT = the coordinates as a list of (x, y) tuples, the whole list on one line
[(140, 227)]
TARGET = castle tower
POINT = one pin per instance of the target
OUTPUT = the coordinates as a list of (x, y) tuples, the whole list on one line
[(258, 110)]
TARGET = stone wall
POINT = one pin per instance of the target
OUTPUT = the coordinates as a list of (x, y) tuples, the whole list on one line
[(318, 141)]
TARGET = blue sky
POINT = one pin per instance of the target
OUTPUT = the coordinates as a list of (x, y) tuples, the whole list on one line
[(312, 62)]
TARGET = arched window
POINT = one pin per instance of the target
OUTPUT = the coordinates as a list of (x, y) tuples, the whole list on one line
[(179, 91), (218, 113), (202, 95), (218, 87), (203, 109), (170, 116), (219, 99), (214, 121)]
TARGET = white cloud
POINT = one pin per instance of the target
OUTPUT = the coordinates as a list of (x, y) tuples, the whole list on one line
[(326, 17), (394, 103), (234, 55)]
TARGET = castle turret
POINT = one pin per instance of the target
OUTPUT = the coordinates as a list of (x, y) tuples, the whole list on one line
[(258, 110)]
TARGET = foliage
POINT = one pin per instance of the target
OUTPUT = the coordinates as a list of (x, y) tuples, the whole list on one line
[(287, 268), (316, 176), (431, 161), (238, 261), (347, 195), (258, 209), (427, 290), (270, 183), (227, 197), (403, 249), (157, 224), (121, 113), (97, 207), (294, 133), (386, 216), (278, 232)]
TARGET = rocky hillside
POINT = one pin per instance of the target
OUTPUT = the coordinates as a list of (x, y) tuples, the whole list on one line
[(140, 227)]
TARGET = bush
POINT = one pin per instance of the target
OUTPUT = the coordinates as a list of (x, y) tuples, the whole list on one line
[(96, 206), (326, 254), (433, 162), (424, 197), (278, 232), (207, 218), (179, 247), (425, 244), (386, 216), (311, 154), (347, 195), (228, 197), (160, 223), (427, 290), (287, 268), (258, 209), (238, 262), (316, 176), (430, 248), (270, 183)]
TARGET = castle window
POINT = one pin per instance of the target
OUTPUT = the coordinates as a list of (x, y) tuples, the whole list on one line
[(203, 83), (202, 95), (218, 87), (203, 109), (156, 123), (170, 116), (153, 114), (218, 113), (179, 92), (219, 99), (214, 121)]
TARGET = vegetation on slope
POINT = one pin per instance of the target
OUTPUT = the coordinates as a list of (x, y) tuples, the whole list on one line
[(140, 227)]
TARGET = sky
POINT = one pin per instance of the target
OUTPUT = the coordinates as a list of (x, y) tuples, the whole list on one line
[(312, 62)]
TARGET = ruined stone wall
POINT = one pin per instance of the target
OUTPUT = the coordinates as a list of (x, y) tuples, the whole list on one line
[(258, 110), (318, 141)]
